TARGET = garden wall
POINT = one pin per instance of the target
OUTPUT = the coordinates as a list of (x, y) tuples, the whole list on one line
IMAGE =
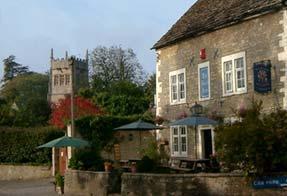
[(90, 183), (191, 184), (19, 172)]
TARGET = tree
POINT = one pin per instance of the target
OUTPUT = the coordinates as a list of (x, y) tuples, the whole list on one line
[(114, 64), (150, 88), (120, 98), (256, 143), (12, 69), (26, 100), (61, 111)]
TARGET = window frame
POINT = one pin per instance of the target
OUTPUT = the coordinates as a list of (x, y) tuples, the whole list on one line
[(67, 79), (179, 136), (178, 100), (200, 66), (234, 70), (56, 79)]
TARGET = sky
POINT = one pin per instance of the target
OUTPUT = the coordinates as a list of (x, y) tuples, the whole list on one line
[(30, 28)]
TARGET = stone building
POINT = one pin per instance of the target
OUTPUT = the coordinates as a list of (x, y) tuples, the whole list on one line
[(61, 78), (220, 54)]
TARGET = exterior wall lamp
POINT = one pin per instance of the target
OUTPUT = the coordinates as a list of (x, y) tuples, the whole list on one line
[(196, 109)]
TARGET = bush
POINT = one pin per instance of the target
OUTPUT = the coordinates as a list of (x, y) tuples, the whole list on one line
[(86, 159), (146, 165), (18, 145), (256, 143)]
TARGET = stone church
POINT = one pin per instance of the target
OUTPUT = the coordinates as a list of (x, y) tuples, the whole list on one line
[(66, 73), (220, 54)]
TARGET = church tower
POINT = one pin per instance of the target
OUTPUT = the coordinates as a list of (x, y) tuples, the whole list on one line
[(65, 74)]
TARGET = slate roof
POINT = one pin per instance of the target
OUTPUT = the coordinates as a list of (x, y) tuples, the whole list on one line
[(208, 15)]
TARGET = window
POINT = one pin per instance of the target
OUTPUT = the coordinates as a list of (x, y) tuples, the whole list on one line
[(56, 80), (62, 79), (177, 86), (204, 81), (67, 79), (179, 140), (234, 74)]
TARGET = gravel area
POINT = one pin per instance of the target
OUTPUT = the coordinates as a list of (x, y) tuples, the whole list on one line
[(37, 187)]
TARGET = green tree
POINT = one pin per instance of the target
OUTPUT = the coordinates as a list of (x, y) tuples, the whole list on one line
[(12, 69), (26, 100), (120, 98), (150, 88), (114, 64)]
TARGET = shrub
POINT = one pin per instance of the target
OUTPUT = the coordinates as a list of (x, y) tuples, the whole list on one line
[(146, 165), (86, 159), (18, 145), (256, 143)]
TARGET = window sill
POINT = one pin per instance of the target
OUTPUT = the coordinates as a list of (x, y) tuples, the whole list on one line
[(237, 93), (178, 103)]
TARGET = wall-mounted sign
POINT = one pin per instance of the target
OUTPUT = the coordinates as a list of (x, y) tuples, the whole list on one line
[(262, 77), (270, 182)]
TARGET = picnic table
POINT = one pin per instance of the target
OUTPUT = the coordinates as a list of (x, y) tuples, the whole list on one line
[(189, 165)]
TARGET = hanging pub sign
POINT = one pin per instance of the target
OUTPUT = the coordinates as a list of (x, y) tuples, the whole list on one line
[(262, 76)]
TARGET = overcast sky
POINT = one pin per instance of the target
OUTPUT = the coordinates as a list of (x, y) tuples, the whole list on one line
[(30, 28)]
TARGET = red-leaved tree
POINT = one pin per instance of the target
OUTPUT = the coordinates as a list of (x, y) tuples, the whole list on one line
[(61, 111)]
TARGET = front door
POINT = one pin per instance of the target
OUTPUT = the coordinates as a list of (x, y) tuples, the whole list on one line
[(63, 160), (207, 143)]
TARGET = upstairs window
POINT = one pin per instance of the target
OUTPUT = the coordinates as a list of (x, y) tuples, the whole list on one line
[(56, 80), (177, 86), (62, 80), (234, 74), (67, 79), (204, 81)]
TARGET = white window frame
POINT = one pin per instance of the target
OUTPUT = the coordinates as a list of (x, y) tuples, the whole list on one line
[(200, 66), (178, 100), (232, 58), (179, 153)]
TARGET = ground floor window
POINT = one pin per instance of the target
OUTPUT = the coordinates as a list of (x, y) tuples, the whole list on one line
[(179, 141)]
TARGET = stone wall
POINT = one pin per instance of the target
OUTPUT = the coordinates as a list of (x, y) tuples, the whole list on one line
[(90, 183), (191, 184), (18, 172)]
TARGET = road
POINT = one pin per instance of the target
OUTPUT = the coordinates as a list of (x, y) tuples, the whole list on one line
[(39, 187)]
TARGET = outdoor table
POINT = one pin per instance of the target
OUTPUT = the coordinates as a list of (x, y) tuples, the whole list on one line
[(187, 164)]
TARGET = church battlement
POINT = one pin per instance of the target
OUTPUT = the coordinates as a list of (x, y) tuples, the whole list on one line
[(65, 72)]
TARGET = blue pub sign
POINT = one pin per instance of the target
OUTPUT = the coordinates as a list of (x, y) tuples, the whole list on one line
[(270, 182), (262, 76)]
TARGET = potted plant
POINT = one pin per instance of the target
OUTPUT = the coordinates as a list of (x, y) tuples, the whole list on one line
[(59, 183)]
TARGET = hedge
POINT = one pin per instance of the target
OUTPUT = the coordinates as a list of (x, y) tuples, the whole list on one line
[(18, 145)]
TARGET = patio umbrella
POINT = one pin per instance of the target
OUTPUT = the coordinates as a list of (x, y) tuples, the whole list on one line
[(66, 141), (194, 121), (138, 125)]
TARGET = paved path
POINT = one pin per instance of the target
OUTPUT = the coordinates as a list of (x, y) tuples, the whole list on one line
[(40, 187)]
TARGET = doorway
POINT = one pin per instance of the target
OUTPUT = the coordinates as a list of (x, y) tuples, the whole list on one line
[(207, 143)]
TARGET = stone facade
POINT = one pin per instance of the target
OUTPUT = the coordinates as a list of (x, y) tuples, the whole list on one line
[(259, 38), (61, 78), (191, 184)]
